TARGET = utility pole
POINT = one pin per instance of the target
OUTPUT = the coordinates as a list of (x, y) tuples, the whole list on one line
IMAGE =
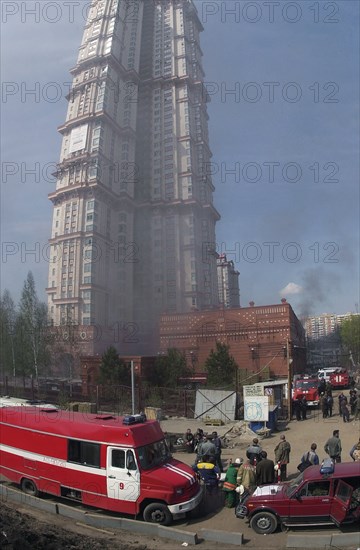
[(289, 373)]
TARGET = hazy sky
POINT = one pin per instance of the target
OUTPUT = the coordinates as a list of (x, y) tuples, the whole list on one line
[(284, 84)]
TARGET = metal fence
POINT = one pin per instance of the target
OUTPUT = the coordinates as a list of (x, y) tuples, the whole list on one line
[(115, 399)]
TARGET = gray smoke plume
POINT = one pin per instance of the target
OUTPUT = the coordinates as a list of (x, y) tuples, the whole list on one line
[(317, 284)]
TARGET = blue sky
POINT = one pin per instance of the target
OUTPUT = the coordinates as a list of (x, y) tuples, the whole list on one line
[(288, 132)]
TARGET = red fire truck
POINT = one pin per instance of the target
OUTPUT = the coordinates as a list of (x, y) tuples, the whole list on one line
[(340, 379), (337, 376), (97, 460), (307, 387)]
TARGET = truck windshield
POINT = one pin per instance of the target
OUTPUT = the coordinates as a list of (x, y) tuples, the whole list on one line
[(306, 384), (154, 454), (294, 484)]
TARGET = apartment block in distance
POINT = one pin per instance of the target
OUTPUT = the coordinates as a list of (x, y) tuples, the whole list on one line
[(325, 324), (133, 229)]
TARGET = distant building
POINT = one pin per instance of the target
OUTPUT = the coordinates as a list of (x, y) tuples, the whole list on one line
[(325, 324), (324, 341), (228, 282), (258, 336)]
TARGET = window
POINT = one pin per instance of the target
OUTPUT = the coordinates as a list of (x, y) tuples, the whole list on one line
[(118, 459), (315, 489), (83, 452)]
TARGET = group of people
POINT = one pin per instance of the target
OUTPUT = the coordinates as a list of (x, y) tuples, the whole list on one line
[(349, 406), (204, 445), (300, 408), (243, 476), (346, 405)]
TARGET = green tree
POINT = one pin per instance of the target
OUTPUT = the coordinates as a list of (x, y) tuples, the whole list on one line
[(220, 367), (114, 370), (169, 368), (31, 329), (7, 328), (350, 336)]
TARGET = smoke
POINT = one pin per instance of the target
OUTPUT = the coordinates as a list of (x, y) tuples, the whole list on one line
[(318, 284), (291, 288)]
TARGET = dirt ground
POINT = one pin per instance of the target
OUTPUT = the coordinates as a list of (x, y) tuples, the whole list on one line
[(26, 528)]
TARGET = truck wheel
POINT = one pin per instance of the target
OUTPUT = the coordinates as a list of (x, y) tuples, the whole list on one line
[(29, 487), (263, 523), (157, 513)]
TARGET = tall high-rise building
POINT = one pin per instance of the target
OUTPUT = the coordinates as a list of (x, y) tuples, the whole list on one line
[(133, 229), (228, 282)]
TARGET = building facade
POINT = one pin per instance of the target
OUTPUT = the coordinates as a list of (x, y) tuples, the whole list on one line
[(326, 324), (228, 282), (324, 342), (262, 339), (133, 230)]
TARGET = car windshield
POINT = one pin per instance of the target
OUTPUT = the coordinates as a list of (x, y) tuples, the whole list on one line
[(153, 454), (306, 384), (294, 484)]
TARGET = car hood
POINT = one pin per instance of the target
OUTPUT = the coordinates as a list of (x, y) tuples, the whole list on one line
[(171, 474), (268, 490)]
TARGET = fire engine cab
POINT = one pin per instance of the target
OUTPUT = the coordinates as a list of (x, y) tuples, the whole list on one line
[(308, 387), (98, 460), (338, 377)]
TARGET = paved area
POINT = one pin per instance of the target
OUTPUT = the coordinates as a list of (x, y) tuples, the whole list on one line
[(300, 434)]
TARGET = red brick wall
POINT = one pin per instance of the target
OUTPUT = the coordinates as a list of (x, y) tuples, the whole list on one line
[(256, 335)]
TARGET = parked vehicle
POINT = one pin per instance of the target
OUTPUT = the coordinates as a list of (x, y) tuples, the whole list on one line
[(306, 387), (7, 401), (97, 460), (340, 379), (321, 495)]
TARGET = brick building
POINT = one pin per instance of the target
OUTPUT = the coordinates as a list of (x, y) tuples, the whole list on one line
[(258, 336)]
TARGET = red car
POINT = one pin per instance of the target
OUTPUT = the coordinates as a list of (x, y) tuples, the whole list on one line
[(312, 498)]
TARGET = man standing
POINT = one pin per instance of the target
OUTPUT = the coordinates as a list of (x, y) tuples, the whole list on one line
[(311, 455), (265, 470), (355, 452), (189, 441), (282, 456), (208, 472), (206, 448), (229, 485), (247, 476), (303, 407), (218, 447), (357, 408), (253, 452), (333, 447)]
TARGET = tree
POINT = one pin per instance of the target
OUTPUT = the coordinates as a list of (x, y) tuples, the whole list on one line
[(114, 370), (7, 328), (169, 368), (31, 329), (350, 336), (220, 367)]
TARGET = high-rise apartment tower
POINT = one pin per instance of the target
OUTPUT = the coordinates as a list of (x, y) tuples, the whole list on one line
[(133, 230)]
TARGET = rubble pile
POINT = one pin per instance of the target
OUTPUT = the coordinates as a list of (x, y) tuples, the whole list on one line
[(239, 435)]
